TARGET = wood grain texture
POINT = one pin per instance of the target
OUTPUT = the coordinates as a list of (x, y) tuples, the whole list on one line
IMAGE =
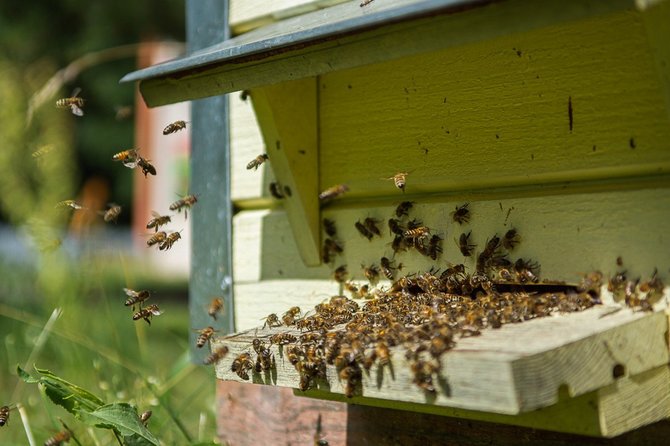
[(495, 113), (287, 115), (515, 369)]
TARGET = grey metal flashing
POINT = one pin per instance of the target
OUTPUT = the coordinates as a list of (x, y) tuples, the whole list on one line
[(305, 30)]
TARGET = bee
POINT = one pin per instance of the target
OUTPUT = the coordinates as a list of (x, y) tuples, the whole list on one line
[(205, 335), (387, 268), (340, 274), (144, 418), (371, 226), (464, 244), (331, 248), (329, 227), (654, 285), (146, 166), (174, 127), (244, 95), (170, 240), (289, 317), (128, 157), (74, 103), (505, 275), (511, 239), (423, 374), (399, 179), (265, 360), (403, 208), (136, 297), (591, 283), (42, 151), (382, 353), (526, 271), (112, 213), (272, 321), (69, 203), (363, 230), (216, 355), (333, 192), (416, 233), (371, 273), (395, 227), (282, 338), (122, 112), (351, 374), (158, 220), (256, 162), (293, 354), (58, 439), (434, 248), (158, 237), (276, 190), (215, 307), (365, 2), (4, 414), (461, 214), (147, 313), (184, 203)]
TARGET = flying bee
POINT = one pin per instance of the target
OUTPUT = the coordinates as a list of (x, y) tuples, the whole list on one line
[(4, 413), (399, 179), (174, 127), (144, 418), (329, 227), (158, 237), (127, 157), (333, 192), (136, 297), (205, 335), (371, 273), (216, 355), (69, 203), (256, 162), (461, 214), (184, 203), (403, 208), (340, 274), (371, 225), (420, 232), (42, 151), (146, 166), (147, 313), (464, 244), (112, 213), (363, 230), (74, 103), (170, 240), (215, 307), (511, 239), (60, 438), (158, 220)]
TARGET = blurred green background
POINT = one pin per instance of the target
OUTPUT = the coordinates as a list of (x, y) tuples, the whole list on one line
[(61, 290)]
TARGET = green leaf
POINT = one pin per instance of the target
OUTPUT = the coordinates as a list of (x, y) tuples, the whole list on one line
[(25, 376), (123, 418), (77, 391)]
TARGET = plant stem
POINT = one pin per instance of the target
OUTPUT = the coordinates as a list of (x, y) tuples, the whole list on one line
[(26, 424)]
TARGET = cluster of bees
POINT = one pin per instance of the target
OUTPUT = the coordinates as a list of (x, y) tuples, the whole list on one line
[(422, 314)]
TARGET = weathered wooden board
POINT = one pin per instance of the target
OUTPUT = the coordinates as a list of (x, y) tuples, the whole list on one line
[(530, 108), (515, 369)]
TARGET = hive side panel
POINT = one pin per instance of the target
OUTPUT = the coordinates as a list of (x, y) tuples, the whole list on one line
[(562, 103)]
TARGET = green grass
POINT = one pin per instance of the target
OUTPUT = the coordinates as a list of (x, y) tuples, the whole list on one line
[(95, 344)]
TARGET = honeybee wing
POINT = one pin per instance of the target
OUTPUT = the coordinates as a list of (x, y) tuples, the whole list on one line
[(75, 92), (155, 214), (76, 110), (130, 293), (155, 310)]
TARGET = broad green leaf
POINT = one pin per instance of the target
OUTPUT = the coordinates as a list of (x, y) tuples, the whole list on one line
[(123, 418), (75, 389)]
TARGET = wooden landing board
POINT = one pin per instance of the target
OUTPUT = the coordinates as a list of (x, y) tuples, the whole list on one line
[(512, 370)]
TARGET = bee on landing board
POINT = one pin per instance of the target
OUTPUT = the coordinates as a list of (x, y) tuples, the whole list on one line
[(403, 208), (256, 162), (174, 127), (511, 239), (461, 214), (158, 220), (464, 244), (74, 103), (147, 313), (184, 203)]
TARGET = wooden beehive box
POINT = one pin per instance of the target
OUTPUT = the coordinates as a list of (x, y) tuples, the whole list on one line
[(546, 117)]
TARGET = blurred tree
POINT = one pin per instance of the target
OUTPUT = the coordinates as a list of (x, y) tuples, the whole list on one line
[(54, 33)]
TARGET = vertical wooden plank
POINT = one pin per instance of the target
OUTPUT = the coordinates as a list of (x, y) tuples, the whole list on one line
[(252, 415), (211, 217), (287, 115)]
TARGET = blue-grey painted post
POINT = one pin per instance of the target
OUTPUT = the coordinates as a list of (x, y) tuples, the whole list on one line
[(211, 246)]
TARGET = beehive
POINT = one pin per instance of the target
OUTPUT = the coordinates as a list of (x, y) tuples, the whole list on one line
[(539, 115)]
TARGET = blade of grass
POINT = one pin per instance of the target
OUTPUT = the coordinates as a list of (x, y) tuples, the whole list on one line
[(169, 410), (26, 424)]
